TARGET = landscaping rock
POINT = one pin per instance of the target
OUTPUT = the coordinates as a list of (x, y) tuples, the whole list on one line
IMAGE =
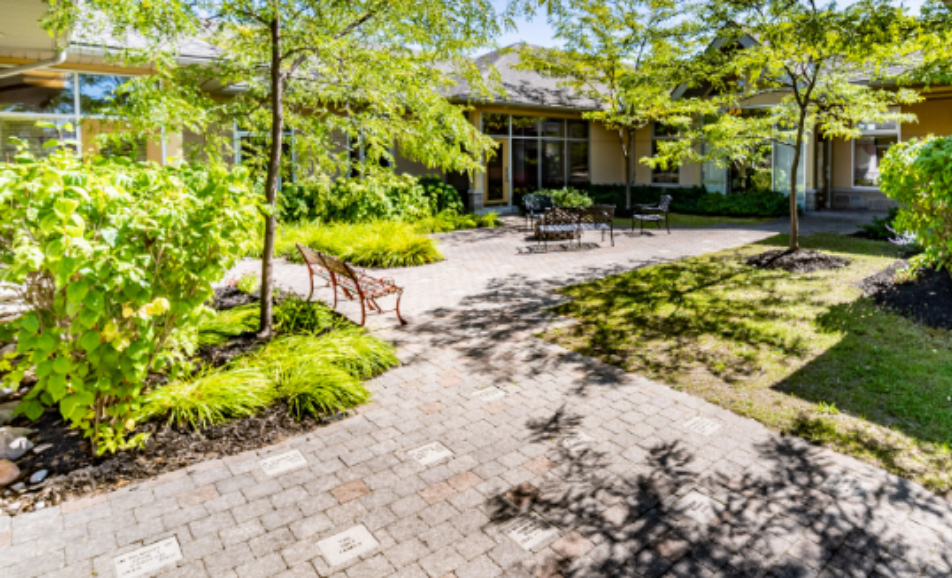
[(6, 411), (8, 472), (16, 432), (41, 448), (38, 477), (14, 449)]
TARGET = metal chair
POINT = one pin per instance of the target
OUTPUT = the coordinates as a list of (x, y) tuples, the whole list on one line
[(653, 214)]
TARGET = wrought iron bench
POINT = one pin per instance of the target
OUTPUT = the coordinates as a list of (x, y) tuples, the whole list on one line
[(571, 221), (353, 282), (653, 214)]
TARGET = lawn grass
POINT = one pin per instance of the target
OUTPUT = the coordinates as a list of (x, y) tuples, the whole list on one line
[(802, 353), (683, 220)]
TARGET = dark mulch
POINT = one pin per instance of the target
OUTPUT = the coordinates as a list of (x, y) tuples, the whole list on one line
[(219, 355), (72, 471), (229, 297), (797, 261), (927, 299)]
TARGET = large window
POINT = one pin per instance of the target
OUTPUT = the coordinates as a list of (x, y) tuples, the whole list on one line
[(869, 150), (57, 97), (670, 175), (547, 153)]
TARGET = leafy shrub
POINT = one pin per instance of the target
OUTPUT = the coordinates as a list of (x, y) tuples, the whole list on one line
[(223, 325), (296, 315), (210, 398), (918, 174), (882, 228), (118, 259), (357, 200), (568, 197), (696, 200), (249, 284), (372, 244)]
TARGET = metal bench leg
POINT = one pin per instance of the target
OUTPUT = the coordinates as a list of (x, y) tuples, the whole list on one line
[(363, 312), (397, 310)]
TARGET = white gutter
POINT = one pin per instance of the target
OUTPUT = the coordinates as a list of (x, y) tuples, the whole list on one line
[(60, 58)]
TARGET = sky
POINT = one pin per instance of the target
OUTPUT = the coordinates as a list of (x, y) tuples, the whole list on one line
[(538, 32)]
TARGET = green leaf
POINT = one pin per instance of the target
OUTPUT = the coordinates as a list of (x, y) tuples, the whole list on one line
[(76, 292), (44, 369), (56, 386), (89, 341), (65, 207), (74, 407), (95, 300), (62, 365), (31, 323), (32, 409)]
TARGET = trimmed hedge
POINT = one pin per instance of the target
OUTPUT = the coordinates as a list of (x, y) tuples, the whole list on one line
[(695, 200)]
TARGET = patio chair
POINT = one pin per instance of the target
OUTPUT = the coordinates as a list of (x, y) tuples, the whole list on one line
[(535, 205), (653, 214), (599, 218)]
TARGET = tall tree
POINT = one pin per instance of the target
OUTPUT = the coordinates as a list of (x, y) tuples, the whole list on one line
[(623, 56), (824, 68), (340, 75)]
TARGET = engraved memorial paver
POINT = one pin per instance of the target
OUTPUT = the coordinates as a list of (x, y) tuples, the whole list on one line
[(430, 453), (576, 441), (343, 547), (281, 463), (149, 560), (702, 425), (529, 530), (489, 394), (699, 507)]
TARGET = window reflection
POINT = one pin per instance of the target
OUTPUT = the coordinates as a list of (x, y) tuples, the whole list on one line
[(38, 91), (96, 91), (869, 152), (35, 137)]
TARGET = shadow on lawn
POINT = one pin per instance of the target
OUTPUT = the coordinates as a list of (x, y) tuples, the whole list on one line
[(786, 515)]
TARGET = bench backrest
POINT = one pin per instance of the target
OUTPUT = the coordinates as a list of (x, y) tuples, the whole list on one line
[(562, 216), (665, 203), (337, 268)]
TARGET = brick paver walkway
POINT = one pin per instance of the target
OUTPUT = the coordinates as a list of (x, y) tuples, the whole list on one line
[(555, 464)]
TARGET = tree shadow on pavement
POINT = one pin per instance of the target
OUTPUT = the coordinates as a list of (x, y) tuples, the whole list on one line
[(792, 512)]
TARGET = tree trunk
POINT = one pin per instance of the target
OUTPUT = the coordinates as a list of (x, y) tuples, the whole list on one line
[(625, 137), (274, 172), (794, 216)]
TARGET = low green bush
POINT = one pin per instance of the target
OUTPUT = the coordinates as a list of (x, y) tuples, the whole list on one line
[(296, 315), (696, 200), (882, 228), (447, 221), (356, 200), (209, 398), (371, 244), (918, 174), (221, 326)]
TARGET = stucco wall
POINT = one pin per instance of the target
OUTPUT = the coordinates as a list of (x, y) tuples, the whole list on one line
[(607, 163), (935, 117)]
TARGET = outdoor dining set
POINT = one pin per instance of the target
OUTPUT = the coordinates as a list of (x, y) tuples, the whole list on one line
[(557, 223)]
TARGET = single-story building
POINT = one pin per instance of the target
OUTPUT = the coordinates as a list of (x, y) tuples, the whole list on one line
[(543, 140)]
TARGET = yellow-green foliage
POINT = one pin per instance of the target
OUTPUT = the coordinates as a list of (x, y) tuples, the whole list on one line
[(211, 397), (372, 244), (223, 325)]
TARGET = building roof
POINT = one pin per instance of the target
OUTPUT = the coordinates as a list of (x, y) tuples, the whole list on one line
[(523, 88)]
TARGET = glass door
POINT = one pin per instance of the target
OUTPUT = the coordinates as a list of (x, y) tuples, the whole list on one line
[(497, 175)]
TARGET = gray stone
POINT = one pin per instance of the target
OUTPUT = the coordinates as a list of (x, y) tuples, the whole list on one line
[(6, 411), (14, 449), (38, 477)]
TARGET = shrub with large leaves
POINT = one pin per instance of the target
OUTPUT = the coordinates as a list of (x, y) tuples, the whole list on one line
[(116, 260), (918, 174)]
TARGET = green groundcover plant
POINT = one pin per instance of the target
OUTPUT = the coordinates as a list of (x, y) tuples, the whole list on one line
[(116, 260), (370, 244), (918, 174), (697, 200)]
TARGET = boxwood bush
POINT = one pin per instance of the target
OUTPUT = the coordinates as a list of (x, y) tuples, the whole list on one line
[(695, 200)]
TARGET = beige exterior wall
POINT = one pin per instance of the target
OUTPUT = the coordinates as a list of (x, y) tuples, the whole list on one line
[(607, 163), (935, 116)]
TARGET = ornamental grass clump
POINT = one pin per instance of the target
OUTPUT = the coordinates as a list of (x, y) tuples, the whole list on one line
[(372, 244), (210, 398), (223, 325)]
